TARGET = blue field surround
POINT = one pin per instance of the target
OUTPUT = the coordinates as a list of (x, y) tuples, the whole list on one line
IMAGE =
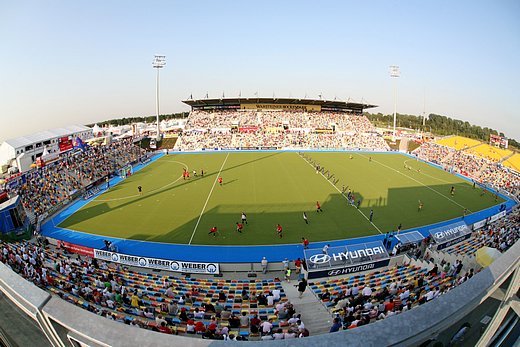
[(230, 254)]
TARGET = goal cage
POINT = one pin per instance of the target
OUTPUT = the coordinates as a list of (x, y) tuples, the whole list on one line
[(125, 171)]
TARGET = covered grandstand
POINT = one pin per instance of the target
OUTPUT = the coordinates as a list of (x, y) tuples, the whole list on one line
[(287, 104)]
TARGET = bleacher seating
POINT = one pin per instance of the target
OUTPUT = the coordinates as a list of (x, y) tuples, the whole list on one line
[(280, 129), (490, 153), (513, 162), (392, 291), (78, 281), (457, 142)]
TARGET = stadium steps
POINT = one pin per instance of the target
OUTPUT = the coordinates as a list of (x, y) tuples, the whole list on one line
[(313, 314), (470, 147), (468, 261), (234, 140), (448, 157), (418, 262), (506, 158), (483, 168)]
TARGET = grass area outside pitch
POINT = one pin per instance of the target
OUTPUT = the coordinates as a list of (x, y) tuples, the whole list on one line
[(271, 188)]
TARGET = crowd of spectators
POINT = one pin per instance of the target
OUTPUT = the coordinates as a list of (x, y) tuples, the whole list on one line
[(280, 129), (501, 234), (45, 187), (108, 290), (360, 304), (479, 169)]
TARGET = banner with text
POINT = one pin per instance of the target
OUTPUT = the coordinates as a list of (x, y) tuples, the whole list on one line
[(348, 269), (288, 107), (73, 248), (158, 264), (450, 234), (345, 259)]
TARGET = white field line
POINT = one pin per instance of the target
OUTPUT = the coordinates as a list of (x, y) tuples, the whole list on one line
[(422, 184), (148, 192), (343, 195), (209, 195), (425, 174)]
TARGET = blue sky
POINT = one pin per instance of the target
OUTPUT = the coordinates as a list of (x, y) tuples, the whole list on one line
[(65, 62)]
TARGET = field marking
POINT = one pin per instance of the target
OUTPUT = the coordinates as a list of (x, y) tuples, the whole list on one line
[(148, 192), (209, 195), (425, 174), (343, 195), (413, 179)]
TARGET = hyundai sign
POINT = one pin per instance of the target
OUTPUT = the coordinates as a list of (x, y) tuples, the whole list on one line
[(345, 259), (450, 234)]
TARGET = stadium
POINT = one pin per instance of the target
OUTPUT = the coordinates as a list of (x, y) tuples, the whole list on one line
[(263, 219)]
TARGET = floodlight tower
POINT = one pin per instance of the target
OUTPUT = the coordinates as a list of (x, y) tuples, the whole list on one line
[(394, 72), (158, 63)]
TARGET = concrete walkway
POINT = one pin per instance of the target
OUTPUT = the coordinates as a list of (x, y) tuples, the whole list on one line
[(314, 315)]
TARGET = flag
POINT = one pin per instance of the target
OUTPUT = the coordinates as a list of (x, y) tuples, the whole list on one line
[(80, 144)]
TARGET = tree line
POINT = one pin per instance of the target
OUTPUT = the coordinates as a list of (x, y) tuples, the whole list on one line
[(145, 119), (439, 125)]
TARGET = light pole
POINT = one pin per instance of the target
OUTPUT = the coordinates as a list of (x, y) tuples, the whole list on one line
[(394, 72), (158, 63)]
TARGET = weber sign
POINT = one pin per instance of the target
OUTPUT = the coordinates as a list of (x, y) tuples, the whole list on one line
[(158, 264)]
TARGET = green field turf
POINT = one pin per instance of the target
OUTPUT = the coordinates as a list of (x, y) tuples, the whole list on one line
[(271, 188)]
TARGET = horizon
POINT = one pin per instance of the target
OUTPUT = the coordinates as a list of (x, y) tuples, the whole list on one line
[(73, 63)]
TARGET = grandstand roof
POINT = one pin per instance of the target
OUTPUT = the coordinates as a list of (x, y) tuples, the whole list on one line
[(45, 135), (237, 102)]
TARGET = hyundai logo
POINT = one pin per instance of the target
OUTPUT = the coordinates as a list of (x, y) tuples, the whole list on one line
[(115, 257), (439, 235), (319, 258), (334, 272)]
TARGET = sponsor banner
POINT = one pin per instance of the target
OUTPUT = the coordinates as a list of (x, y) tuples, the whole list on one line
[(290, 107), (449, 232), (349, 269), (480, 224), (324, 131), (249, 148), (73, 248), (158, 264), (248, 129), (497, 216), (453, 241), (271, 148), (65, 143), (342, 256)]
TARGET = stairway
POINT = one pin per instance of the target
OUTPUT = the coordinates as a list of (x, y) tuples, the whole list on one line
[(482, 169), (418, 262), (448, 157), (315, 316), (505, 158)]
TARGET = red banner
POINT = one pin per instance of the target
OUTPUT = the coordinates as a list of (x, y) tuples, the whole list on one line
[(248, 129), (3, 197), (73, 248), (65, 143)]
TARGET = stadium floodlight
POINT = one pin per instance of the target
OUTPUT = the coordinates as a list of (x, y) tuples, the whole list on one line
[(158, 63), (394, 72)]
